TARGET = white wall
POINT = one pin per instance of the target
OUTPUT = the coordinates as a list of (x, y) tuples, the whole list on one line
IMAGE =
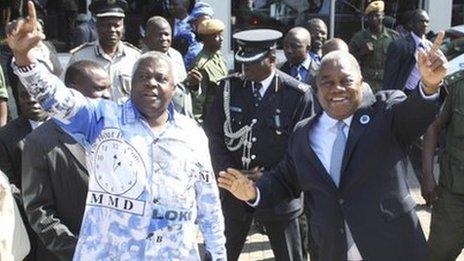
[(222, 11), (440, 14)]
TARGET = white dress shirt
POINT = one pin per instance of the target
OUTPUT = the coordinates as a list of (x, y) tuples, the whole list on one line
[(265, 84), (321, 139)]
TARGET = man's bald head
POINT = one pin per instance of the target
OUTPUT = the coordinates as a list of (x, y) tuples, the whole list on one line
[(300, 33), (340, 85), (335, 44), (297, 44)]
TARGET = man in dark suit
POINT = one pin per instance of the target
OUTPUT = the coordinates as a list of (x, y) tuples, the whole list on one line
[(297, 44), (401, 67), (351, 159), (11, 146), (54, 173), (254, 116)]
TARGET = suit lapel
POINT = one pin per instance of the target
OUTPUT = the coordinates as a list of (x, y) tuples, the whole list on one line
[(312, 72), (360, 122), (312, 156), (73, 146)]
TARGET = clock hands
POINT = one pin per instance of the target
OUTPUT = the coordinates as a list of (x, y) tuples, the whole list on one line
[(115, 165)]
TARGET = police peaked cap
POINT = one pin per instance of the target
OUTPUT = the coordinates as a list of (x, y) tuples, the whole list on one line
[(108, 8), (255, 44)]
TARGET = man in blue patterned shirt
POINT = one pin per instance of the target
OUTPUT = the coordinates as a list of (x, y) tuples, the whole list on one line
[(150, 171)]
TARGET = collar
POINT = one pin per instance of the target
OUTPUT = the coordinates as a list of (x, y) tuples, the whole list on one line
[(328, 123), (417, 40), (130, 113), (35, 124), (266, 82), (382, 33), (183, 21), (315, 56), (305, 63), (100, 52)]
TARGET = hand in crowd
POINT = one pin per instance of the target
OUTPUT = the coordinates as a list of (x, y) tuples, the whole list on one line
[(194, 77), (238, 184), (23, 35), (429, 191), (432, 65)]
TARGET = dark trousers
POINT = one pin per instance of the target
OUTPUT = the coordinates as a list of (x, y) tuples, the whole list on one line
[(446, 238), (284, 237)]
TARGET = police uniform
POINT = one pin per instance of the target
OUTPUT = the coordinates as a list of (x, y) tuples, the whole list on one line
[(447, 224), (373, 64), (212, 66), (244, 134), (119, 67)]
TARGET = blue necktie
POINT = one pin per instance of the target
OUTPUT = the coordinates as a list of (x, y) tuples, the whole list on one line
[(297, 72), (256, 94), (338, 149)]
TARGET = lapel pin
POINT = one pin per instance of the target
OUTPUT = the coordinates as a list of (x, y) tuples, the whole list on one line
[(364, 119)]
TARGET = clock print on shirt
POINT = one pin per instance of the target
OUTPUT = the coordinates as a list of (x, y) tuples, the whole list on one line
[(117, 165)]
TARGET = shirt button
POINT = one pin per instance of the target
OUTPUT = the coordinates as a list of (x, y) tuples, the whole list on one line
[(342, 231), (341, 201), (253, 157), (254, 139)]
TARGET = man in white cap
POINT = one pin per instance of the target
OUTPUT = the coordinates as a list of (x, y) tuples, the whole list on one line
[(115, 56)]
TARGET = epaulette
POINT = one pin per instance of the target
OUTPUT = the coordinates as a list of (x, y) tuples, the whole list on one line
[(231, 76), (292, 82), (452, 79), (78, 48), (132, 46)]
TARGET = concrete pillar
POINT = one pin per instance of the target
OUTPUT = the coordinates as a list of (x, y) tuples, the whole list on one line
[(439, 13)]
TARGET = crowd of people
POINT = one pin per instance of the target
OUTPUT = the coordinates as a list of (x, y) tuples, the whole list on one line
[(127, 152)]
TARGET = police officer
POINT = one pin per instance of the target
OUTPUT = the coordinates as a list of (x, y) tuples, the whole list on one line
[(254, 115), (370, 45), (115, 56), (446, 238)]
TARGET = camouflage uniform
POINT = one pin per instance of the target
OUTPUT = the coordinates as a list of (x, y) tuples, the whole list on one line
[(373, 64), (447, 225)]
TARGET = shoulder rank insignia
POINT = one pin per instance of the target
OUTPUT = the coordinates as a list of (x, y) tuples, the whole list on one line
[(132, 46), (80, 47)]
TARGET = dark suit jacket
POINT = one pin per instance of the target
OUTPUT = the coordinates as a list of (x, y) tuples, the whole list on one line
[(11, 146), (373, 196), (12, 138), (399, 64), (311, 78), (276, 117), (54, 181)]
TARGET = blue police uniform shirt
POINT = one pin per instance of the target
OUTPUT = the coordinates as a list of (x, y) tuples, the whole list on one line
[(146, 189), (183, 30)]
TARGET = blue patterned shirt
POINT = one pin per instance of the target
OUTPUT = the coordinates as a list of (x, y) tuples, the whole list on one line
[(146, 189)]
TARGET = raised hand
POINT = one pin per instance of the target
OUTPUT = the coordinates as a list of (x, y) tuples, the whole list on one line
[(23, 35), (237, 184), (432, 65)]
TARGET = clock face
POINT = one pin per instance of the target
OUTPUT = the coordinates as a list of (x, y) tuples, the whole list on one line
[(116, 166)]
